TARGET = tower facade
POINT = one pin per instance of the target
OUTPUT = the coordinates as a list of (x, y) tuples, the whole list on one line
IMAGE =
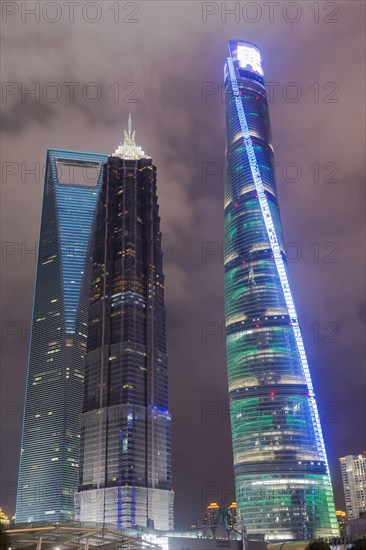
[(353, 468), (283, 486), (125, 470), (48, 473)]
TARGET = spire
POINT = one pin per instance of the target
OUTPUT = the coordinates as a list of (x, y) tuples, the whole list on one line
[(128, 149), (129, 136)]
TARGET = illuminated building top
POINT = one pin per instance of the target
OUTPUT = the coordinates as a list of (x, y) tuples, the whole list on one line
[(129, 150), (247, 56)]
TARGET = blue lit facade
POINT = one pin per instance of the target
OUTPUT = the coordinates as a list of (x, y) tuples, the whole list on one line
[(49, 461), (283, 486)]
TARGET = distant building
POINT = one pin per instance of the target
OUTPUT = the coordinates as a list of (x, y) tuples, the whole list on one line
[(220, 516), (4, 520), (353, 469), (212, 515), (342, 521), (232, 517)]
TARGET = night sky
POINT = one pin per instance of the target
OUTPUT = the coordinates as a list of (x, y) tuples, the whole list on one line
[(162, 57)]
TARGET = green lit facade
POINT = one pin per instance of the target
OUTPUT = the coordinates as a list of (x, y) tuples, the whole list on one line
[(283, 486)]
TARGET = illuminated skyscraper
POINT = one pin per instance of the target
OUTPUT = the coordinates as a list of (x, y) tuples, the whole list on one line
[(125, 461), (48, 472), (353, 469), (283, 486)]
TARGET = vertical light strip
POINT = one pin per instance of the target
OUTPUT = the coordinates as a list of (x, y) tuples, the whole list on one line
[(271, 232)]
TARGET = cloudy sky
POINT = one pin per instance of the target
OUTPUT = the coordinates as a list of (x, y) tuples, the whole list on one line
[(90, 64)]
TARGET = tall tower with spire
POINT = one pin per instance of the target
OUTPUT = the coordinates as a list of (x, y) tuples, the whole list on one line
[(125, 459)]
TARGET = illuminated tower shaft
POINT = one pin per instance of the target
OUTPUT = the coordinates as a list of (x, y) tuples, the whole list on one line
[(48, 471), (125, 462), (283, 487)]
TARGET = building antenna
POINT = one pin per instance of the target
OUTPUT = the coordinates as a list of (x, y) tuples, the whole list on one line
[(129, 125)]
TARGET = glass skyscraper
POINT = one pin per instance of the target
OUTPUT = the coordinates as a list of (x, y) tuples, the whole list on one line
[(125, 461), (283, 486), (48, 473)]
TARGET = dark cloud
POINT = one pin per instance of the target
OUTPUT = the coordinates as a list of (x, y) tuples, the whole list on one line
[(22, 114)]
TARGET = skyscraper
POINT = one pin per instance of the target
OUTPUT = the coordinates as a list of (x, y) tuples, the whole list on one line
[(125, 469), (353, 469), (48, 472), (283, 486)]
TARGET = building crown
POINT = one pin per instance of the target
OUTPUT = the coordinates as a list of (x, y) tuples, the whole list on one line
[(129, 150)]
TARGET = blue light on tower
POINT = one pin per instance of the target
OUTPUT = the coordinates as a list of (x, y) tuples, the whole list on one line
[(282, 476)]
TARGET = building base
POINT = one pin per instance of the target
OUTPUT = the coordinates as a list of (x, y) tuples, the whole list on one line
[(123, 507)]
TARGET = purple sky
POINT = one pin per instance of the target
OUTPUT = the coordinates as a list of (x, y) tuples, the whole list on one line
[(162, 62)]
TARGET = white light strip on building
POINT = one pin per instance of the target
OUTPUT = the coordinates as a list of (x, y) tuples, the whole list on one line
[(267, 217)]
